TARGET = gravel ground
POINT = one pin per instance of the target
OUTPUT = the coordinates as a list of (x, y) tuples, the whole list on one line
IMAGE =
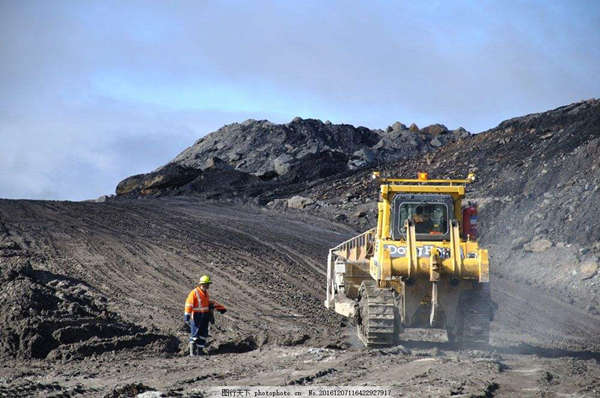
[(130, 264)]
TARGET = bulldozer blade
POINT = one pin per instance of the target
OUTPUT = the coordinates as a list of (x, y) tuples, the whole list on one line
[(424, 334), (345, 306)]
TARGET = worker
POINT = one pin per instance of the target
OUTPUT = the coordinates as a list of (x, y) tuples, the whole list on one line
[(421, 218), (198, 312)]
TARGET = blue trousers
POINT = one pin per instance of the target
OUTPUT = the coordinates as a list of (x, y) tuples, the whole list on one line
[(199, 328)]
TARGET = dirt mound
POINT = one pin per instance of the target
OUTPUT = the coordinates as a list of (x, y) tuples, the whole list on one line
[(233, 346), (45, 315), (128, 390)]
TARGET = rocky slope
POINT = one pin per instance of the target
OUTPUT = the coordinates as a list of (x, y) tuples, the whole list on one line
[(537, 187), (539, 174), (255, 157), (84, 279)]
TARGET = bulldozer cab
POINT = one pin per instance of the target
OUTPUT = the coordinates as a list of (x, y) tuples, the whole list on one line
[(431, 214), (432, 206)]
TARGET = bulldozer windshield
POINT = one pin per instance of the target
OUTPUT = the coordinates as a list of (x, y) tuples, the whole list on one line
[(430, 215)]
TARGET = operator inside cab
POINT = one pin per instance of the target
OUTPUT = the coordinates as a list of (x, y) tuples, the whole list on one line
[(430, 218), (422, 219)]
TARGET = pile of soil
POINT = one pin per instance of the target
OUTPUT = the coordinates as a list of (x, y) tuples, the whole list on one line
[(47, 315)]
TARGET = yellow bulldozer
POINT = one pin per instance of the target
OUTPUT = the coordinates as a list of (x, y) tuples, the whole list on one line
[(420, 274)]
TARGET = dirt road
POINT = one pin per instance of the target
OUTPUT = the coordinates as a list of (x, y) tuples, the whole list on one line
[(135, 261)]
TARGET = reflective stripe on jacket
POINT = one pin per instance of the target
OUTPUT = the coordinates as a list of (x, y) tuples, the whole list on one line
[(198, 301)]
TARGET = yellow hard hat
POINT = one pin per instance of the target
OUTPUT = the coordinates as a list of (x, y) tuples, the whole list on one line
[(205, 280)]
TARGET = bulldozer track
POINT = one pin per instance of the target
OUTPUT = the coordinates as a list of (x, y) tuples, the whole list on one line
[(377, 316), (476, 316)]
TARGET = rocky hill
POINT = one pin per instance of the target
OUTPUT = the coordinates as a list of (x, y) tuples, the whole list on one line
[(255, 157), (542, 169)]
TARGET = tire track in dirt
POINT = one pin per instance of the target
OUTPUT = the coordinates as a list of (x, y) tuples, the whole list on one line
[(270, 262), (147, 255)]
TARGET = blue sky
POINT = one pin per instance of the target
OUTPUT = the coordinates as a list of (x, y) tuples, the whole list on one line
[(95, 91)]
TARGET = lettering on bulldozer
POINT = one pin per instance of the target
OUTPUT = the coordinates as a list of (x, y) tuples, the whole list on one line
[(417, 275)]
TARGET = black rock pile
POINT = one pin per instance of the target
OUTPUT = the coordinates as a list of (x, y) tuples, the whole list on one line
[(251, 158)]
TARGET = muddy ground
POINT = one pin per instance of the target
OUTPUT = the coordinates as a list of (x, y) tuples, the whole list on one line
[(100, 288)]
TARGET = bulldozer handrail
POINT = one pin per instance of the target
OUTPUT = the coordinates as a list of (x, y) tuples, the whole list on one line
[(352, 241)]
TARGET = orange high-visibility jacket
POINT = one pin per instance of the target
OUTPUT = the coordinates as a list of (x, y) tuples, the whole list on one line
[(198, 301)]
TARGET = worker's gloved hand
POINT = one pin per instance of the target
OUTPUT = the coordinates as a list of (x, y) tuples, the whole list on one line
[(187, 319), (222, 310)]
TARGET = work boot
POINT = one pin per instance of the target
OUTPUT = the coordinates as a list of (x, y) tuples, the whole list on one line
[(201, 351)]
